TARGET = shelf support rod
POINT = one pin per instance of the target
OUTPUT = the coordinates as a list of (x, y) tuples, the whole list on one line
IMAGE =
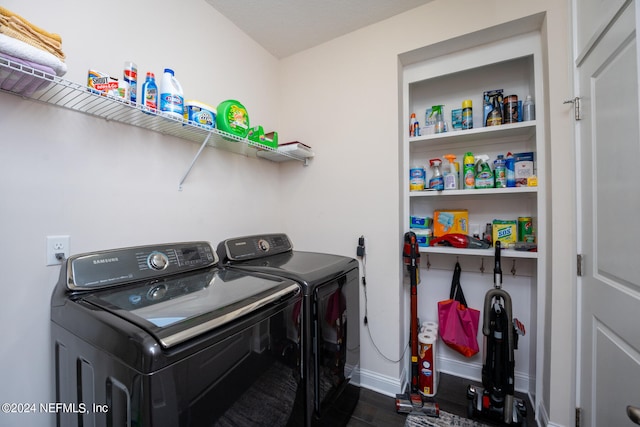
[(193, 162)]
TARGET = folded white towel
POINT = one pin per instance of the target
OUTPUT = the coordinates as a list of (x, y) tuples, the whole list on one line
[(22, 50)]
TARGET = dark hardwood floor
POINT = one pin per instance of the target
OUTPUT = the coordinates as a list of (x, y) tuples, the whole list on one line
[(378, 410)]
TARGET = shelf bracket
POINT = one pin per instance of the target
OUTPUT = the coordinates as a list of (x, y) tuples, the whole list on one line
[(193, 162)]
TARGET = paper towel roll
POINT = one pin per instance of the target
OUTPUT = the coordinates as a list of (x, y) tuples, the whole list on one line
[(429, 327), (427, 372)]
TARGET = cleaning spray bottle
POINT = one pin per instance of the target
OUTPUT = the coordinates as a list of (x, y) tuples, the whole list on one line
[(484, 175), (436, 111), (414, 126), (149, 94), (469, 171), (451, 173), (499, 172), (436, 182)]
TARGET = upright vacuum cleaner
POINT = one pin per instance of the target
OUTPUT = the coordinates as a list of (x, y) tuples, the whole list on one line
[(495, 399)]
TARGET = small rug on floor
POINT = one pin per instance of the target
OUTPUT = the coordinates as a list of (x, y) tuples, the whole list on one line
[(444, 420)]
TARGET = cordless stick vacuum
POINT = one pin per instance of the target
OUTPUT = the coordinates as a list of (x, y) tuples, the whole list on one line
[(411, 257), (495, 399), (412, 403)]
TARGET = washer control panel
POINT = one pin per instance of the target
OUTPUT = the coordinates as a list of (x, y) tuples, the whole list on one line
[(123, 266), (253, 247), (158, 261)]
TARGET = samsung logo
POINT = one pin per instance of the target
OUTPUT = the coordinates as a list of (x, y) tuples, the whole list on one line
[(105, 260)]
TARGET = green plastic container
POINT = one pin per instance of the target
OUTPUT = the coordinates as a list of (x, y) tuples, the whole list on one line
[(256, 134), (233, 118)]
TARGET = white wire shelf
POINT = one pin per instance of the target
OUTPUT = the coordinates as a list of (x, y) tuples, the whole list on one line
[(63, 93)]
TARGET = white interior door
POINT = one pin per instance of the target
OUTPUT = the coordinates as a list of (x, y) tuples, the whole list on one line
[(609, 202)]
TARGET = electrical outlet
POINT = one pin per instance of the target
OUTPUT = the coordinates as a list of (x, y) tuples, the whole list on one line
[(57, 249)]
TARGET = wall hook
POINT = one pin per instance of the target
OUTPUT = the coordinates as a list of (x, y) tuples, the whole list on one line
[(513, 267), (482, 265)]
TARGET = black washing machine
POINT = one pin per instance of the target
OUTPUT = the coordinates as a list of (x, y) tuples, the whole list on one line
[(160, 335), (330, 333)]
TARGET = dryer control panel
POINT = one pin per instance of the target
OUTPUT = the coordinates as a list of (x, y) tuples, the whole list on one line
[(123, 266), (253, 247)]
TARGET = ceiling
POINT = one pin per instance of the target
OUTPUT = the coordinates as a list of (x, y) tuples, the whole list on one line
[(285, 27)]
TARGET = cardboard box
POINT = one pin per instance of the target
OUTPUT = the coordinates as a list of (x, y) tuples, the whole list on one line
[(102, 83), (523, 165), (506, 231), (450, 221)]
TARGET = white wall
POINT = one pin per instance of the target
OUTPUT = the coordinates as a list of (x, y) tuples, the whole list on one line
[(343, 98), (109, 185)]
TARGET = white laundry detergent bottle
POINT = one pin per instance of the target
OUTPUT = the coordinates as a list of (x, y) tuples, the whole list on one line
[(171, 96)]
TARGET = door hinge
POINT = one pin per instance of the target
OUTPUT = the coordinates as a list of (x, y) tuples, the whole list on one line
[(579, 265), (576, 106), (578, 413)]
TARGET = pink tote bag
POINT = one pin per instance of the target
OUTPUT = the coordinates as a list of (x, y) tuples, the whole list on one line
[(458, 323)]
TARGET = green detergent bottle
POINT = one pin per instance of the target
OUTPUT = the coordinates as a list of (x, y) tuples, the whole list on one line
[(484, 175)]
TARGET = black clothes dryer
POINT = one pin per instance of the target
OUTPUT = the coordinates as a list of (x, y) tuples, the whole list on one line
[(330, 333), (161, 336)]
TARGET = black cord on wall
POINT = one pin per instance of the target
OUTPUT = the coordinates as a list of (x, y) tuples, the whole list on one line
[(362, 255)]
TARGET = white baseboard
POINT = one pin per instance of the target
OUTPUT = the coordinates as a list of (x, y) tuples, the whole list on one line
[(383, 384), (390, 386), (473, 371), (543, 417)]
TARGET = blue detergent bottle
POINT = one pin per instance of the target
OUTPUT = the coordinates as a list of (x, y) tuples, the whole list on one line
[(149, 93), (510, 170)]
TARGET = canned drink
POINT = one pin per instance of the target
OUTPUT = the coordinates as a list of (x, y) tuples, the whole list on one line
[(525, 229), (510, 114)]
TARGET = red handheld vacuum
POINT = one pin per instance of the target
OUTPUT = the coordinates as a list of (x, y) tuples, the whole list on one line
[(459, 240)]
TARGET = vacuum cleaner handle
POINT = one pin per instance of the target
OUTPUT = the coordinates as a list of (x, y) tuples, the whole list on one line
[(486, 324), (497, 269)]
